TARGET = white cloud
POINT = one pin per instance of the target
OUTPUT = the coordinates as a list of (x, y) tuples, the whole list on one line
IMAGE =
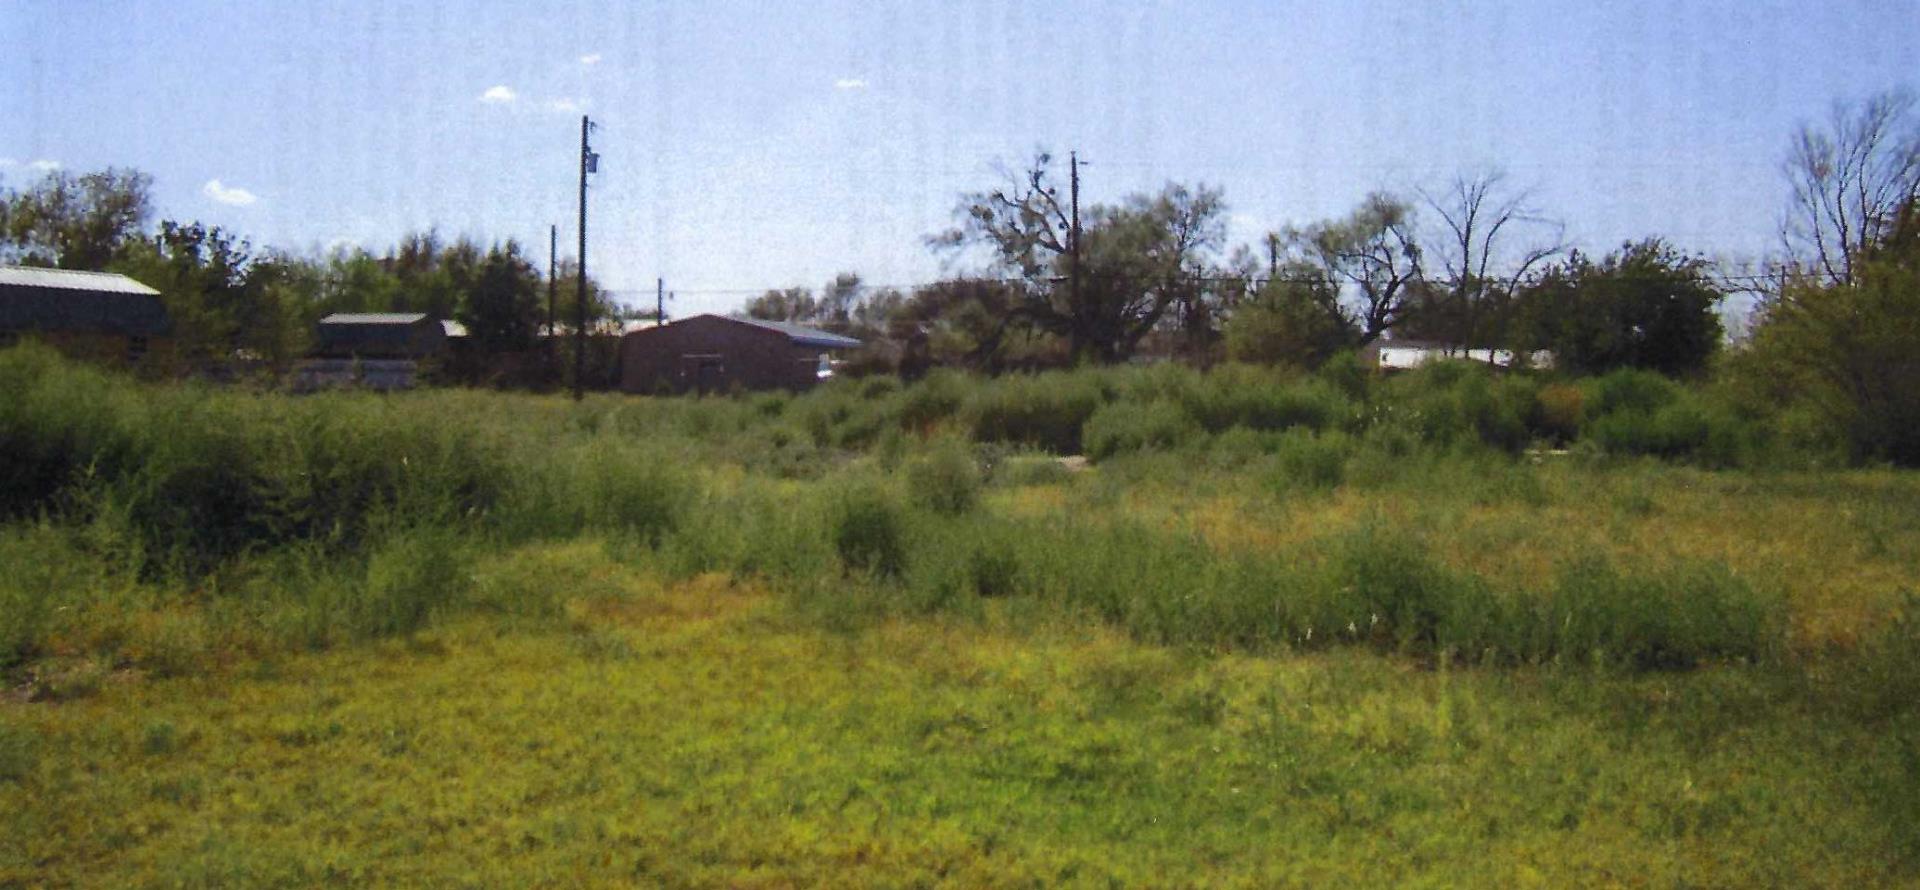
[(562, 105), (8, 162), (590, 59), (45, 166), (499, 95), (849, 83), (236, 197)]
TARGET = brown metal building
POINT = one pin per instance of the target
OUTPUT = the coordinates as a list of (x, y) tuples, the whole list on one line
[(715, 353)]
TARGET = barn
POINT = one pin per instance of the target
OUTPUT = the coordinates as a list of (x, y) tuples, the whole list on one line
[(716, 353), (389, 335), (95, 316)]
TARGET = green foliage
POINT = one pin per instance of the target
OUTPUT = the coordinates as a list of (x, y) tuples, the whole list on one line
[(1850, 351), (946, 479), (1307, 461), (868, 529), (1646, 305), (1043, 411), (1118, 428)]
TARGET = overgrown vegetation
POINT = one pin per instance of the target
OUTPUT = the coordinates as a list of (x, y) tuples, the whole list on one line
[(1647, 541)]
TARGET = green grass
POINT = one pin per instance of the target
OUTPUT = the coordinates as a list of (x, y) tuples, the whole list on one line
[(703, 734), (1285, 630)]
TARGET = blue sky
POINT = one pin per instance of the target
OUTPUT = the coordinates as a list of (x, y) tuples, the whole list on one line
[(756, 145)]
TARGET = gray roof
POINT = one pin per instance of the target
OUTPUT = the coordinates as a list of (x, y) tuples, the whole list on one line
[(96, 302), (803, 335), (375, 318), (65, 279)]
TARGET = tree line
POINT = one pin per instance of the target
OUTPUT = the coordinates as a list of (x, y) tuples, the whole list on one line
[(1472, 264), (232, 302)]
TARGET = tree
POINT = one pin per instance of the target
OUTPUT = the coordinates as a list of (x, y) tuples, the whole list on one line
[(1470, 302), (1850, 350), (961, 320), (1293, 318), (795, 304), (504, 308), (1373, 255), (76, 222), (1646, 305), (1135, 259), (1849, 181)]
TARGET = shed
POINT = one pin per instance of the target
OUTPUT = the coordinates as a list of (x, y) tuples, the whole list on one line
[(90, 314), (709, 353), (399, 335)]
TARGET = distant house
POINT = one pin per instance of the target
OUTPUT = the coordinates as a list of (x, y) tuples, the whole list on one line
[(90, 315), (1401, 355), (374, 350), (383, 335), (712, 353)]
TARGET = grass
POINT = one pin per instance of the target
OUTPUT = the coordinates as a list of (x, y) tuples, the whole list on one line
[(700, 734), (1284, 630)]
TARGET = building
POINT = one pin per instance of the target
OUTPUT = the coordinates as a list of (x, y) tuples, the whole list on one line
[(95, 316), (714, 353), (1401, 355), (381, 335)]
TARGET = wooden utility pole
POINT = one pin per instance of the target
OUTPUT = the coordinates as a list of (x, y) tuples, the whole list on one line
[(553, 252), (659, 301), (1073, 230), (588, 163)]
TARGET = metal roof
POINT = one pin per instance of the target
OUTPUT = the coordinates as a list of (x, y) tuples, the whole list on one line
[(375, 318), (804, 335), (65, 279), (59, 300)]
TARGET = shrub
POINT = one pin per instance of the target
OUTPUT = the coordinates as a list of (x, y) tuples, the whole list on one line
[(868, 531), (945, 479), (1559, 412), (932, 400), (1241, 400), (1120, 427), (1628, 389), (1675, 619), (411, 575), (1045, 411), (1307, 461)]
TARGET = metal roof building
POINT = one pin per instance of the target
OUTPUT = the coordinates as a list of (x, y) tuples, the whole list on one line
[(59, 301), (709, 353), (380, 334)]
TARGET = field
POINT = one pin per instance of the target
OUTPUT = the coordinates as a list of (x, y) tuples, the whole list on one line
[(1447, 629)]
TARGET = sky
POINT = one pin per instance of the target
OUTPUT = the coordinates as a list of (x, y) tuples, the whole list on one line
[(746, 146)]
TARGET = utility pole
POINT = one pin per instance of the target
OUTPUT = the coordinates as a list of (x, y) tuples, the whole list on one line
[(659, 301), (1273, 256), (589, 162), (1073, 230), (553, 252)]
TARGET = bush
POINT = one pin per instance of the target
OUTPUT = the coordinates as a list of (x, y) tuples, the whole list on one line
[(1122, 427), (869, 532), (1044, 411), (945, 479), (1559, 412), (414, 574), (932, 400), (1675, 619), (1310, 462)]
